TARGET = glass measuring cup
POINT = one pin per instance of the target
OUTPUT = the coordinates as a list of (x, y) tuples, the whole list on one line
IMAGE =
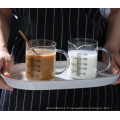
[(83, 58), (40, 65)]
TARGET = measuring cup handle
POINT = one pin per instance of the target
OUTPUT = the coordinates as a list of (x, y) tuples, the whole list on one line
[(110, 58), (67, 57)]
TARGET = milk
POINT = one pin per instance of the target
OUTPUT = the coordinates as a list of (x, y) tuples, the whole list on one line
[(83, 64)]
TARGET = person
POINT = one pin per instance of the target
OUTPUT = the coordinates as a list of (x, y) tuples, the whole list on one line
[(59, 25)]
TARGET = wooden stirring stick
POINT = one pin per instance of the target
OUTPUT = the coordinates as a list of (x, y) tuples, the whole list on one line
[(27, 41)]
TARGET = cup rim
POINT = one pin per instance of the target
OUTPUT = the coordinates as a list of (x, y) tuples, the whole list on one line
[(96, 42), (54, 43)]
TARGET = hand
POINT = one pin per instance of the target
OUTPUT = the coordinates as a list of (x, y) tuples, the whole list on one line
[(6, 63), (115, 66)]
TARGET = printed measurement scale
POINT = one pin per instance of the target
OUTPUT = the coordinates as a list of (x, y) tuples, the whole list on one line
[(81, 64), (35, 67)]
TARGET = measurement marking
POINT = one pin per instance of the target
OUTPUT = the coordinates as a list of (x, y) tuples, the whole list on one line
[(78, 62), (78, 74), (28, 72), (32, 76), (85, 59), (34, 60), (38, 66), (37, 60), (28, 65), (85, 64), (73, 64), (32, 66), (35, 66), (84, 68), (73, 71), (73, 57), (37, 76), (84, 73), (79, 68), (85, 54)]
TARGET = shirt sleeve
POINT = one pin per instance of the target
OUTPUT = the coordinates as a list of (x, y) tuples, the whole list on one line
[(105, 12)]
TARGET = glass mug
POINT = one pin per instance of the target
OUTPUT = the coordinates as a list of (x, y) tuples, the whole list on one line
[(83, 58), (40, 65)]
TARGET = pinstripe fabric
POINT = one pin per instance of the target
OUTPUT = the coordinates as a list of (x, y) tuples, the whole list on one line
[(9, 101), (59, 25)]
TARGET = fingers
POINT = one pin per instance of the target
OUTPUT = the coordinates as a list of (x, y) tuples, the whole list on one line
[(115, 61), (3, 85), (116, 82), (114, 67), (1, 64), (7, 64)]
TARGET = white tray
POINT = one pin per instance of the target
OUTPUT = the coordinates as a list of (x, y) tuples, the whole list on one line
[(61, 81)]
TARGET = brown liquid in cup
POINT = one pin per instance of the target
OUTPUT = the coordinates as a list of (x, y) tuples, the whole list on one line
[(40, 66)]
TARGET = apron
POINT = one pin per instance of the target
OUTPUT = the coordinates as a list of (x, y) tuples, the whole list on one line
[(60, 25)]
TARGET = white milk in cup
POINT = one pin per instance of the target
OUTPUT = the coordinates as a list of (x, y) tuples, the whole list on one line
[(83, 64), (83, 58)]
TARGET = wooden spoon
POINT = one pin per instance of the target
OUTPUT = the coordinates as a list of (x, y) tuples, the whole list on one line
[(27, 41)]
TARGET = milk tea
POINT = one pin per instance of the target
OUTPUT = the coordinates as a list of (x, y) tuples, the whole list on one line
[(40, 66), (83, 64)]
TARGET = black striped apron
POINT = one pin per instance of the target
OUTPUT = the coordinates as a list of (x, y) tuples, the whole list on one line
[(60, 25)]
